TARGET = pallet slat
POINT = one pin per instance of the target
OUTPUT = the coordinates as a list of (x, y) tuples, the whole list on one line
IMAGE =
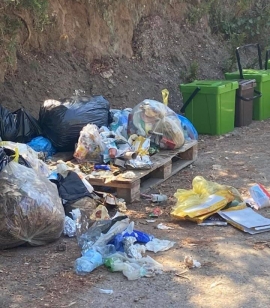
[(166, 164)]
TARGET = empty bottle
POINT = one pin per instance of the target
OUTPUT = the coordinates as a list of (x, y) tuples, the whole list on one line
[(88, 262), (158, 198)]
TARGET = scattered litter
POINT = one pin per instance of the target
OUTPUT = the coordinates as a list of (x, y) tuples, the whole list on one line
[(121, 204), (260, 195), (103, 291), (214, 220), (155, 197), (100, 213), (181, 275), (158, 198), (217, 167), (191, 263), (203, 200), (214, 284), (246, 220), (69, 227), (156, 212), (129, 175), (150, 220), (157, 245), (161, 226)]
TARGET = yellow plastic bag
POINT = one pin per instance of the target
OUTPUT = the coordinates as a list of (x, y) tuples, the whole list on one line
[(205, 199), (165, 96)]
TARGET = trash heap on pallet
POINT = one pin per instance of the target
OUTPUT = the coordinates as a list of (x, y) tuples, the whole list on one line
[(40, 194)]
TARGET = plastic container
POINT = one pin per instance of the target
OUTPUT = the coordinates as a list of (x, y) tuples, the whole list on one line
[(260, 196), (210, 105), (88, 262), (261, 105), (244, 102)]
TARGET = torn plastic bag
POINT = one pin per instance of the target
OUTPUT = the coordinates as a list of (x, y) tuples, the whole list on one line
[(29, 156), (133, 268), (205, 199), (157, 245), (150, 117), (30, 208), (61, 121), (89, 145), (18, 126), (100, 233)]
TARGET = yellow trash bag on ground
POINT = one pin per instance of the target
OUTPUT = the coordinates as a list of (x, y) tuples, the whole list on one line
[(203, 200)]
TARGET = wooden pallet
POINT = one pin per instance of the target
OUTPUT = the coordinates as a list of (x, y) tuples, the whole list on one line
[(166, 163)]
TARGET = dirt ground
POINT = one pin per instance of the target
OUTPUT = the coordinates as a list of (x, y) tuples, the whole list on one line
[(234, 270)]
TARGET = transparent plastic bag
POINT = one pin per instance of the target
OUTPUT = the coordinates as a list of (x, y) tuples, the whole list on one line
[(89, 144), (29, 155), (205, 199), (131, 268), (157, 245), (151, 117), (120, 121), (30, 208)]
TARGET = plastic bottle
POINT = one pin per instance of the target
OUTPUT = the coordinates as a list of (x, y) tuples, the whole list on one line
[(158, 198), (88, 262)]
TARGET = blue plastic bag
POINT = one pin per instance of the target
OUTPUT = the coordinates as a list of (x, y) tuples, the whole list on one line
[(190, 132), (141, 237), (41, 144)]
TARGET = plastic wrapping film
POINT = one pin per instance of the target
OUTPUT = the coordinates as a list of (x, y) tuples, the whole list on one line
[(30, 208), (89, 145), (150, 117), (61, 121), (205, 199), (29, 155)]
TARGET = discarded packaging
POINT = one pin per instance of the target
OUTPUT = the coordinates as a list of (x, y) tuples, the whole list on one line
[(100, 213), (157, 245), (69, 227), (133, 250), (29, 155), (161, 226), (90, 260), (158, 198), (156, 212), (191, 263), (129, 175), (205, 199), (103, 291), (260, 195)]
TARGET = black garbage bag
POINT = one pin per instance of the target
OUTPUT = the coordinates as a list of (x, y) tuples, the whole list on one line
[(61, 121), (27, 126), (18, 126)]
